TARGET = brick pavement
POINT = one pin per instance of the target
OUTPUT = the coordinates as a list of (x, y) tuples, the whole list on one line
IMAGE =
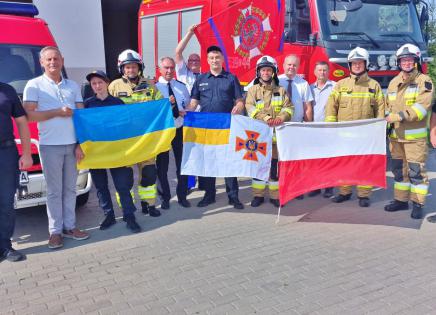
[(321, 258)]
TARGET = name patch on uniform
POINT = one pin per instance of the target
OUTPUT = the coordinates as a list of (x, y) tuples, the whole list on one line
[(276, 93), (371, 90), (122, 94), (203, 84)]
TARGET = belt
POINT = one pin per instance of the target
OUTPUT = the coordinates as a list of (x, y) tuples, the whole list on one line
[(7, 144)]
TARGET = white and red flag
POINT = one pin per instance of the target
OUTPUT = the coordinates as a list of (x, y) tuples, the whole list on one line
[(319, 155)]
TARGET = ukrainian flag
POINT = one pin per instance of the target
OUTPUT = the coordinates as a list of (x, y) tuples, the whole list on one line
[(225, 145), (123, 135)]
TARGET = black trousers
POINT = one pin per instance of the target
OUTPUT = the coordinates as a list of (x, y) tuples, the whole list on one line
[(162, 163), (8, 185), (232, 187)]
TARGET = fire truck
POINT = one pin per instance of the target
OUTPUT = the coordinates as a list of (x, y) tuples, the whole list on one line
[(21, 38), (314, 30)]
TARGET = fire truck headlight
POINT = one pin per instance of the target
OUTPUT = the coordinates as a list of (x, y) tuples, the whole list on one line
[(381, 61), (393, 62)]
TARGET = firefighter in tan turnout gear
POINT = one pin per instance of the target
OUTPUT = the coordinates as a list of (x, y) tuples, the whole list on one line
[(267, 101), (354, 98), (408, 102), (133, 88)]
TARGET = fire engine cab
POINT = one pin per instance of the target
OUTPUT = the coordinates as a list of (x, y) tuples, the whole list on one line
[(313, 29), (21, 38)]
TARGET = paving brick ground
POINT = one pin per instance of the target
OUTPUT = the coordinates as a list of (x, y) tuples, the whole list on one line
[(321, 258)]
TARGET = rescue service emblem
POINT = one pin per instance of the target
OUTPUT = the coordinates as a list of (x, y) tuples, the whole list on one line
[(251, 32), (251, 145), (338, 73)]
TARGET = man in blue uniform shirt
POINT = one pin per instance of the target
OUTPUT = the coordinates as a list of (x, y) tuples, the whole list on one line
[(218, 91)]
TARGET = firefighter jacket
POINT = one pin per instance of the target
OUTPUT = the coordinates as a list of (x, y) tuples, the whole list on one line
[(355, 98), (130, 92), (410, 100), (264, 102)]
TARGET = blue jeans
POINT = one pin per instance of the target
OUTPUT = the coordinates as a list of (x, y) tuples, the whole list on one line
[(8, 187), (123, 182)]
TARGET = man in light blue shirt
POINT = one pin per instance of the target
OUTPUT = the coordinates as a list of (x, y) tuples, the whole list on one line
[(321, 90)]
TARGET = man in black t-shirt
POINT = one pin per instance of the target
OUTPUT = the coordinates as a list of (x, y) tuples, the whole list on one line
[(10, 107)]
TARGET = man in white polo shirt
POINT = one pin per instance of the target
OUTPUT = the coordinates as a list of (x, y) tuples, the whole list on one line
[(50, 99)]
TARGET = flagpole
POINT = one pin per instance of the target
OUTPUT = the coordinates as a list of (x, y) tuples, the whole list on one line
[(278, 214)]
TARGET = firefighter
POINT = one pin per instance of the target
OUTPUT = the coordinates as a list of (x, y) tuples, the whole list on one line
[(267, 101), (353, 98), (408, 102), (133, 88)]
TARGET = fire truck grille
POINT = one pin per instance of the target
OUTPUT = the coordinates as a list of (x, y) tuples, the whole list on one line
[(30, 196)]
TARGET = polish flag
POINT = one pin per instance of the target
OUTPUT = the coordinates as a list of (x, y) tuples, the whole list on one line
[(320, 155)]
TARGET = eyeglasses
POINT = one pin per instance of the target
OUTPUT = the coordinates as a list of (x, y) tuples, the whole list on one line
[(193, 60)]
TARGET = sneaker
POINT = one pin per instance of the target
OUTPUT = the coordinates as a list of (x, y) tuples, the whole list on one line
[(55, 241), (75, 234), (132, 225), (12, 255), (153, 211), (108, 221)]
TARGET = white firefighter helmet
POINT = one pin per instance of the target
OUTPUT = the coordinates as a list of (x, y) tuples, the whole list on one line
[(409, 50), (129, 56), (358, 53), (266, 61)]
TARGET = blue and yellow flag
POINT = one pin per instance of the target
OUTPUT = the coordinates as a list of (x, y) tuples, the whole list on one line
[(123, 135)]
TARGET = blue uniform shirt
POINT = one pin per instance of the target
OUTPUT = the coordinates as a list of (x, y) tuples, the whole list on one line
[(216, 94), (96, 102), (10, 106)]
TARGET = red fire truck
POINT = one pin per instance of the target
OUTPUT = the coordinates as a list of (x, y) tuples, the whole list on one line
[(21, 38), (313, 29)]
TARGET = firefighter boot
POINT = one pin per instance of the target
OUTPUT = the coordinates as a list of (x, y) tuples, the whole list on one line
[(275, 202), (417, 211), (257, 201), (397, 205), (144, 206), (364, 202), (153, 211), (341, 198)]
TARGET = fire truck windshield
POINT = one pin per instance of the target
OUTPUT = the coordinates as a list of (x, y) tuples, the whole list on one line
[(18, 64), (371, 21)]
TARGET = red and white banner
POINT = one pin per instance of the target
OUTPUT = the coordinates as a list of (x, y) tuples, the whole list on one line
[(319, 155)]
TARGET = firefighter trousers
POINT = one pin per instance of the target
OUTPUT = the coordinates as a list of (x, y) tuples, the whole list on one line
[(408, 166), (259, 186), (147, 181), (362, 191)]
